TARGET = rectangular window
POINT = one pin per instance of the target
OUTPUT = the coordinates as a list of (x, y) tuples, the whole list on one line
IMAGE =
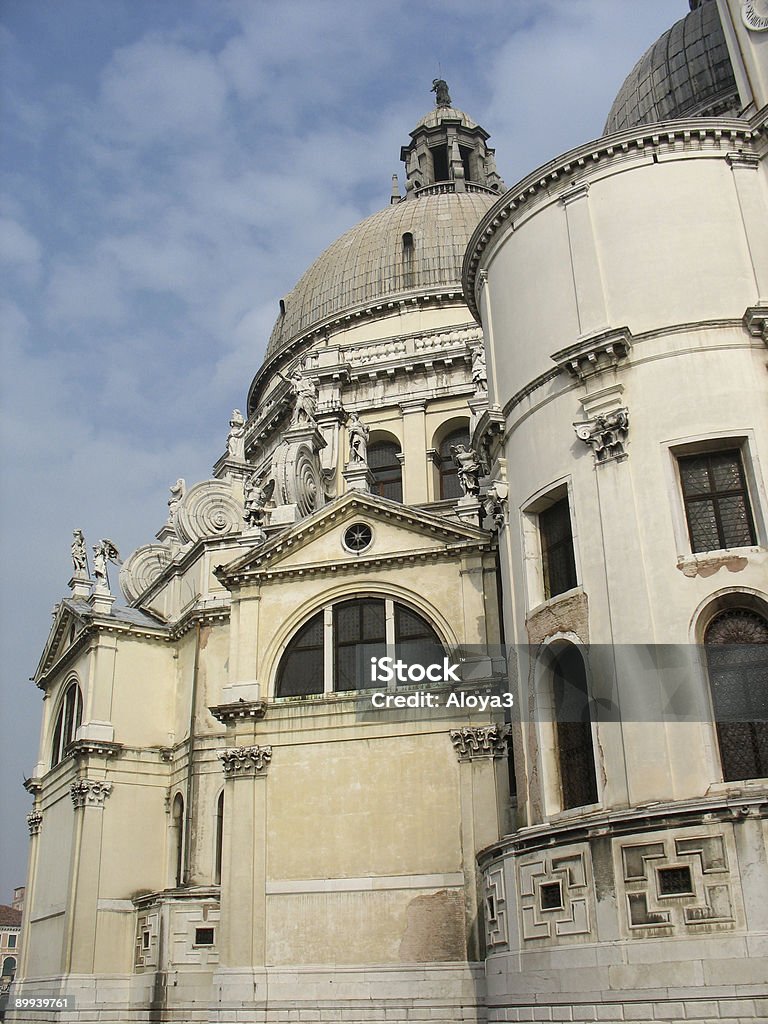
[(11, 942), (557, 556), (716, 501), (203, 936)]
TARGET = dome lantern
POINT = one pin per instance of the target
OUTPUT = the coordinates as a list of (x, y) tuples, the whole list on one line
[(448, 149)]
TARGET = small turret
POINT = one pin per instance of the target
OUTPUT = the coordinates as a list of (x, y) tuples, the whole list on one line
[(448, 147)]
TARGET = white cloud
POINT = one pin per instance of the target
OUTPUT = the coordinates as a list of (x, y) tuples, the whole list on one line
[(159, 91)]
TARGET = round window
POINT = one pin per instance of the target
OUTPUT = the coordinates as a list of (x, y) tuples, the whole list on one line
[(357, 537)]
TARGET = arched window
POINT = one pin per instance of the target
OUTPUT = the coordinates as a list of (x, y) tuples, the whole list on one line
[(737, 658), (333, 650), (573, 725), (177, 840), (384, 463), (68, 721), (447, 468), (9, 967), (219, 838)]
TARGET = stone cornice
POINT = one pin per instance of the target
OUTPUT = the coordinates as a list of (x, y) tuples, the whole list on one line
[(241, 709), (593, 355), (83, 749), (265, 562), (714, 135), (646, 819), (435, 297)]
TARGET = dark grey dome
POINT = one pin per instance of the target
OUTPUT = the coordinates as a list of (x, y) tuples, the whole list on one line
[(686, 73)]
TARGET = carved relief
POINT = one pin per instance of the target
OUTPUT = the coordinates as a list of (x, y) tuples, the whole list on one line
[(245, 760), (142, 568), (298, 474), (606, 434), (90, 792), (672, 885), (209, 510), (555, 894), (35, 822), (496, 931), (479, 741)]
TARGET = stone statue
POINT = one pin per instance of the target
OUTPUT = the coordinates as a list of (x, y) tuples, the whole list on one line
[(103, 552), (256, 497), (305, 395), (79, 555), (479, 370), (469, 469), (358, 439), (178, 490), (236, 437), (440, 88)]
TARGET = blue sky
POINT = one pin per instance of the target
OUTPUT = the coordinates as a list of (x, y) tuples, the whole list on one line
[(169, 169)]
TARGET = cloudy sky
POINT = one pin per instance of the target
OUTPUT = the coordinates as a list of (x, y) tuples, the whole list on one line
[(170, 167)]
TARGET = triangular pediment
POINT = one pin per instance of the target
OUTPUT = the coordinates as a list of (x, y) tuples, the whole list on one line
[(70, 619), (399, 533)]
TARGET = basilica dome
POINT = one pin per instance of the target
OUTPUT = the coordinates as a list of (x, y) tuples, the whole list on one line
[(416, 244), (686, 73)]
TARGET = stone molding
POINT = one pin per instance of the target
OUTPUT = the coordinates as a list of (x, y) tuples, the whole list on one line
[(90, 792), (474, 742), (606, 435), (35, 822), (245, 760), (240, 709), (590, 356), (755, 321)]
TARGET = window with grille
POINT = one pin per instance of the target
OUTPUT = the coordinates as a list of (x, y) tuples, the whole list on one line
[(333, 650), (557, 556), (675, 881), (384, 464), (716, 501), (68, 721), (736, 642), (447, 468), (573, 725)]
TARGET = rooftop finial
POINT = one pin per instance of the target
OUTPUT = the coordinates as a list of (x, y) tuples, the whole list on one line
[(440, 89)]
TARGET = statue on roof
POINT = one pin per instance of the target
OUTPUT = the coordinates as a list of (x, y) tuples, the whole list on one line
[(103, 552), (236, 436), (79, 555), (469, 469), (305, 398), (178, 490), (256, 496), (440, 89), (358, 439)]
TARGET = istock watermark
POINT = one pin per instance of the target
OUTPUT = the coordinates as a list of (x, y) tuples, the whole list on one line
[(388, 670)]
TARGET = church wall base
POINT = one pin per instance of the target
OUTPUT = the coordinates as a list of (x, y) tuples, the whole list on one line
[(409, 994)]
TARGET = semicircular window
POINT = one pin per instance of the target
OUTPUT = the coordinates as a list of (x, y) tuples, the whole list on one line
[(736, 642), (333, 651)]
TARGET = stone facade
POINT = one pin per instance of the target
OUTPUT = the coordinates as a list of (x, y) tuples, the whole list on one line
[(222, 829)]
